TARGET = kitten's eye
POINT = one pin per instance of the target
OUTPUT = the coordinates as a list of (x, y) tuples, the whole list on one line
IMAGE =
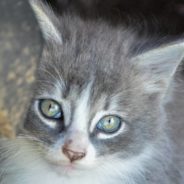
[(109, 124), (50, 109)]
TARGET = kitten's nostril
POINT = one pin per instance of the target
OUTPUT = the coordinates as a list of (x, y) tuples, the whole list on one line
[(69, 141), (73, 155)]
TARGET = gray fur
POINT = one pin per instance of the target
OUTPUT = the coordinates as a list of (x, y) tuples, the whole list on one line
[(114, 60)]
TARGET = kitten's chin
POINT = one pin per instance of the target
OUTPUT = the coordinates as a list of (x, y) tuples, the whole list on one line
[(68, 169)]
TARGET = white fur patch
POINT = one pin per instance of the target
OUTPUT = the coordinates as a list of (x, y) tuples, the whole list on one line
[(81, 113)]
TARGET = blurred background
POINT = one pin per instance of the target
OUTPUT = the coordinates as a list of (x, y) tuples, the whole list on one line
[(21, 41)]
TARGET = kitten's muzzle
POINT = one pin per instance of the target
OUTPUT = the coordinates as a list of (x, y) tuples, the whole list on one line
[(73, 155)]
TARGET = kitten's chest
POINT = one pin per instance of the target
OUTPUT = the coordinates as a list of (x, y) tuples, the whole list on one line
[(45, 176), (52, 179)]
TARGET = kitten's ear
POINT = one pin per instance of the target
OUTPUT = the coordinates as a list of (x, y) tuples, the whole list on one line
[(47, 21), (160, 64)]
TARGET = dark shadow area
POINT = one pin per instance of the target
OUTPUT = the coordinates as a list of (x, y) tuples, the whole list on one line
[(165, 17)]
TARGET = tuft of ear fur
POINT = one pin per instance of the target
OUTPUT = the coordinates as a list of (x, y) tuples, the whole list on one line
[(160, 65), (47, 21)]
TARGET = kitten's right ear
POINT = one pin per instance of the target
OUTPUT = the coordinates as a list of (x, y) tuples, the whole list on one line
[(47, 21), (160, 65)]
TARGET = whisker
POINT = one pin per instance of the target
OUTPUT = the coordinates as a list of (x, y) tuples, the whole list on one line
[(61, 81), (48, 72)]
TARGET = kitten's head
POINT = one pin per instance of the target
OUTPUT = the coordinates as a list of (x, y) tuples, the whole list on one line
[(98, 98)]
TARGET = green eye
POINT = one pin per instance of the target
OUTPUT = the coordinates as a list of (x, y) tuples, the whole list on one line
[(50, 109), (109, 124)]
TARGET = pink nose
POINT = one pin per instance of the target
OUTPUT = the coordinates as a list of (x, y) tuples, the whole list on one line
[(73, 155)]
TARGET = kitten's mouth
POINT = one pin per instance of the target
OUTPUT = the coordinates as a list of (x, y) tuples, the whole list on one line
[(67, 168)]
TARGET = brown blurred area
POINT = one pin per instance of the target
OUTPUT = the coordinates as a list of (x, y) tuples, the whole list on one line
[(20, 47)]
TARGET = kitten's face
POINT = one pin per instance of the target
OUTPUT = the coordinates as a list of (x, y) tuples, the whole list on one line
[(103, 115), (95, 105)]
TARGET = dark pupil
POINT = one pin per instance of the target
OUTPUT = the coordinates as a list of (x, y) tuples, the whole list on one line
[(50, 107), (109, 121)]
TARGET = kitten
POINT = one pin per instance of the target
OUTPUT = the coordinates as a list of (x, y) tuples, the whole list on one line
[(97, 114)]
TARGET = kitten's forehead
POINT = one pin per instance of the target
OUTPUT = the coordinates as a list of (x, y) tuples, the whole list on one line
[(94, 52), (97, 88)]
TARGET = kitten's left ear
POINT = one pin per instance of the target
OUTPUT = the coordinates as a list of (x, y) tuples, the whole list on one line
[(47, 21), (160, 64)]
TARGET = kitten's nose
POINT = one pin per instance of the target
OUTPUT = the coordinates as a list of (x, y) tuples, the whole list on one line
[(73, 155)]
